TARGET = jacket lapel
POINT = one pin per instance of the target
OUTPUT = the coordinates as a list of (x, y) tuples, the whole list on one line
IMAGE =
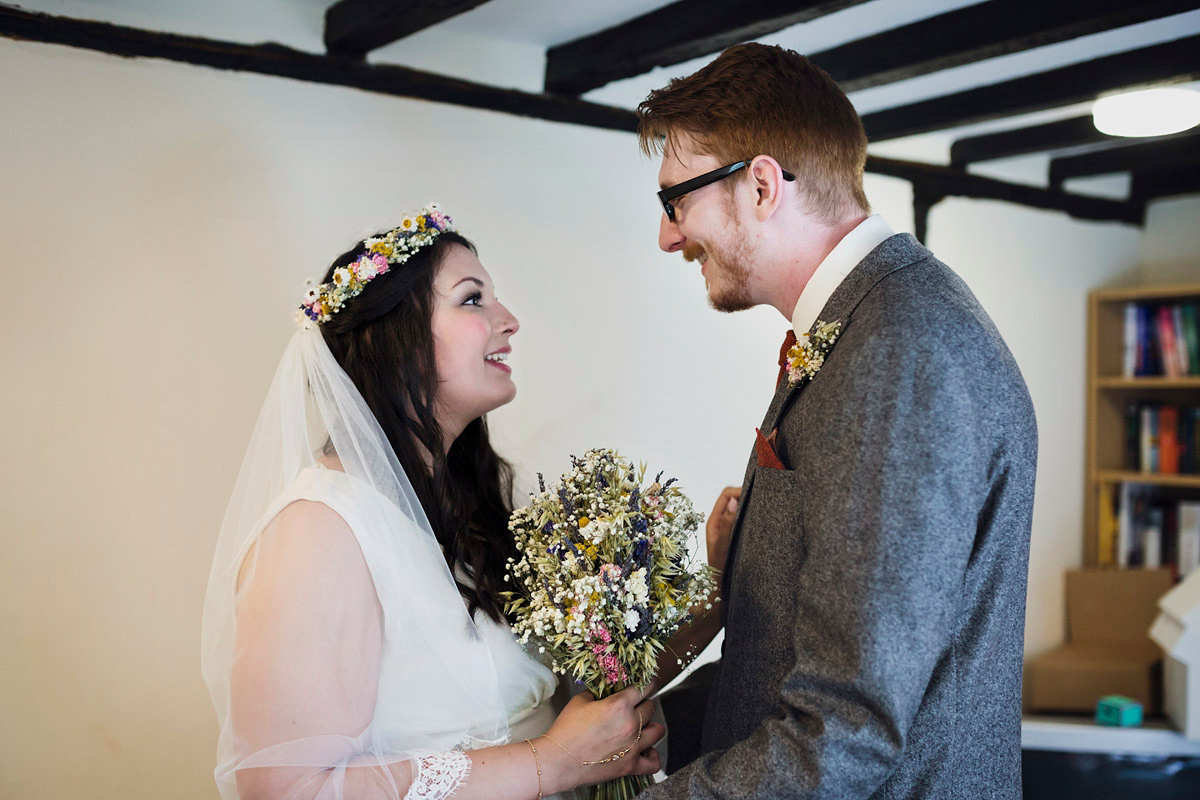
[(894, 253)]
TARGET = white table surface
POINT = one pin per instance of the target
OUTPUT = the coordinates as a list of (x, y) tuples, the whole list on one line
[(1082, 735)]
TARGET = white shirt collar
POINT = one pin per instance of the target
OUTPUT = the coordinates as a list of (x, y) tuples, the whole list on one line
[(841, 261)]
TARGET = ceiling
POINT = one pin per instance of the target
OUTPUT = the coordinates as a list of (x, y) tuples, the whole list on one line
[(992, 96)]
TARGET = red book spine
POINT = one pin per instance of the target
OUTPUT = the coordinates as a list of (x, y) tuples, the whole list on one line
[(1166, 342), (1168, 440)]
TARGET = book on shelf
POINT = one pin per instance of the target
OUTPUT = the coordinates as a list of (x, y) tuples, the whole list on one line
[(1162, 438), (1168, 440), (1130, 339), (1106, 528), (1148, 438), (1191, 336), (1122, 504), (1160, 339), (1139, 529), (1182, 356), (1168, 353), (1188, 545), (1189, 437)]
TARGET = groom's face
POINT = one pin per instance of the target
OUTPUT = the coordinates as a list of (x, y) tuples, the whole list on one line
[(706, 228)]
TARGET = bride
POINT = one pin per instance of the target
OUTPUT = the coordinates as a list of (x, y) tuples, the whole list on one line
[(354, 641)]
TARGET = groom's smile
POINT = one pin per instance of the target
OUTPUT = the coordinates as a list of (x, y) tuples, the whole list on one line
[(704, 227)]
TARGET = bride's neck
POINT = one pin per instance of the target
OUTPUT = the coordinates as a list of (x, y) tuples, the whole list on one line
[(331, 462)]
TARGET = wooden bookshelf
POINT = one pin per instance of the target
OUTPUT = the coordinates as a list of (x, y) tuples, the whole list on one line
[(1148, 384), (1109, 392), (1153, 478)]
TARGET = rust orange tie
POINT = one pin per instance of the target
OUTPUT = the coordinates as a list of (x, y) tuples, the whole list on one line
[(764, 446), (788, 341)]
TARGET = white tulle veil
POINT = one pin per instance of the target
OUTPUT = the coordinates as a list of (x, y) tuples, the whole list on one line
[(313, 409)]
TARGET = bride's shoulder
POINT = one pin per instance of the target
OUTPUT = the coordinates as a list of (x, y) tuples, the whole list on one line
[(318, 503), (355, 498), (305, 539), (310, 517), (312, 527)]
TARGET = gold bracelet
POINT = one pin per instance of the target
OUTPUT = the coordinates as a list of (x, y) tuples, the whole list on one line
[(618, 755), (613, 757), (574, 757), (537, 764)]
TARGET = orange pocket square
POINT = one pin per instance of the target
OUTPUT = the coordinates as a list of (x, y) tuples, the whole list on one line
[(764, 448)]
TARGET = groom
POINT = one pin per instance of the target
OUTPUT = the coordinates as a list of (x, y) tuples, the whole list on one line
[(874, 594)]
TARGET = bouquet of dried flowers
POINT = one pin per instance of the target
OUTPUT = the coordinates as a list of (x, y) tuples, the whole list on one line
[(604, 576)]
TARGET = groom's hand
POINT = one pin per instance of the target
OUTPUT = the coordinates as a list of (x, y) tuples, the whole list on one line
[(719, 528)]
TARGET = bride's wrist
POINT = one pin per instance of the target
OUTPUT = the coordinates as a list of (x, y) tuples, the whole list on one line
[(559, 772)]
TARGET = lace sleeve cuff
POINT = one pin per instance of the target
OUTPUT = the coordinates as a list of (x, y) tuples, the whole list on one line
[(438, 775)]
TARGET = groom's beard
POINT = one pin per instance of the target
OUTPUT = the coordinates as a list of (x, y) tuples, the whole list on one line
[(727, 270)]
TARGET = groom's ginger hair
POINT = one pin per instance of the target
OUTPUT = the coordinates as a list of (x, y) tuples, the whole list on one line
[(758, 99)]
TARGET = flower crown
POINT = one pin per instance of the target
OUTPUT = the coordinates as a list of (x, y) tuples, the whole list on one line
[(382, 252)]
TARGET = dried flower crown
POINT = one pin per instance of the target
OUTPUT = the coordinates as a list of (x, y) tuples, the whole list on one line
[(382, 252)]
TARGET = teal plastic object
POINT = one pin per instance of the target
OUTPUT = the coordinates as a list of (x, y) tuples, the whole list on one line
[(1115, 709)]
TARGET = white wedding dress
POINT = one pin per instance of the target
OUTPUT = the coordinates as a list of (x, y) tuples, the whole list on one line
[(443, 685), (339, 654)]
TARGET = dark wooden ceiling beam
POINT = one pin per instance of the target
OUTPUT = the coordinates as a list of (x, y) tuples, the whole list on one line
[(932, 180), (1165, 182), (978, 32), (1058, 135), (1168, 61), (1180, 152), (683, 30), (356, 27), (275, 59), (963, 36)]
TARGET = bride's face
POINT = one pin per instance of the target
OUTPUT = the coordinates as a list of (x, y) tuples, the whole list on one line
[(471, 330)]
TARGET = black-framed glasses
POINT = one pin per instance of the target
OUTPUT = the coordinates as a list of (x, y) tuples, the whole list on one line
[(692, 184)]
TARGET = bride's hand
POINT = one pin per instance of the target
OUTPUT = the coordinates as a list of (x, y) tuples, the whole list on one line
[(593, 730)]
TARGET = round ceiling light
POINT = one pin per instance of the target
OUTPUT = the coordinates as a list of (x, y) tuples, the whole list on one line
[(1150, 112)]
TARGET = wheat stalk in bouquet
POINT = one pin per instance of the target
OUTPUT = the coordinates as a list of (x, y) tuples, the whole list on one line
[(604, 576)]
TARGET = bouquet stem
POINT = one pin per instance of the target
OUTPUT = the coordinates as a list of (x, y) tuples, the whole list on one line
[(627, 787), (620, 789)]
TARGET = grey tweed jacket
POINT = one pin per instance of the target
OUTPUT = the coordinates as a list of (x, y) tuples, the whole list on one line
[(875, 593)]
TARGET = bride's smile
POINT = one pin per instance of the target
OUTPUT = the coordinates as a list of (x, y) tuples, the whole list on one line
[(471, 331)]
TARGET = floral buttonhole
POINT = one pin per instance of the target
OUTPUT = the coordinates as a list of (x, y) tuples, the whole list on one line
[(807, 355)]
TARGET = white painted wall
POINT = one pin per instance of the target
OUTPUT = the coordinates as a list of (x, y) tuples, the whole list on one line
[(1170, 250), (158, 222)]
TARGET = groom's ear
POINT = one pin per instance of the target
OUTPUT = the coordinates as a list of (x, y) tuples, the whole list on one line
[(767, 179)]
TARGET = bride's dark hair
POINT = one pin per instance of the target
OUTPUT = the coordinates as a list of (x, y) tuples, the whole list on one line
[(383, 339)]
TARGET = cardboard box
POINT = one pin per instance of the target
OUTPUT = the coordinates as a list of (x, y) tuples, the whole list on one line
[(1108, 649), (1177, 629)]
